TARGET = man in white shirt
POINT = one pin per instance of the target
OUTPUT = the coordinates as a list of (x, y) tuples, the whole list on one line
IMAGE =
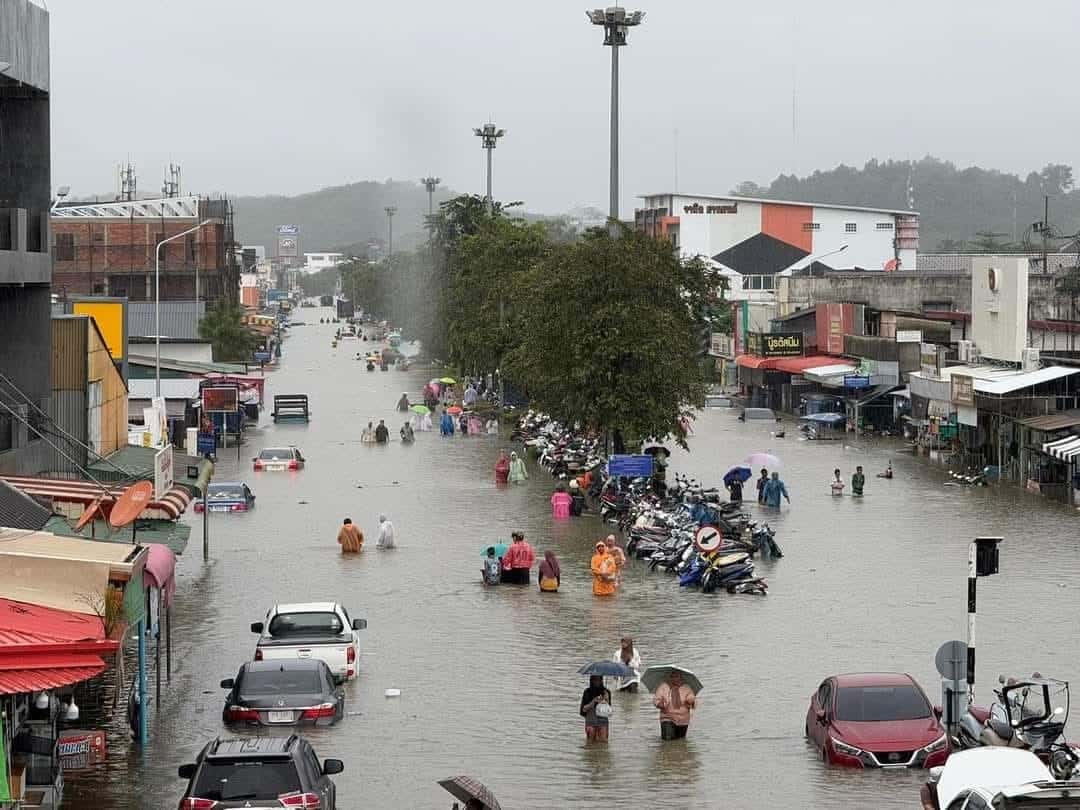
[(386, 533)]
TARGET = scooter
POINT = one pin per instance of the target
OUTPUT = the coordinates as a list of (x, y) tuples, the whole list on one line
[(1028, 714)]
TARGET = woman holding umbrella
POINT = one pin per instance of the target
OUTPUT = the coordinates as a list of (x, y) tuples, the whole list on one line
[(596, 709), (673, 697)]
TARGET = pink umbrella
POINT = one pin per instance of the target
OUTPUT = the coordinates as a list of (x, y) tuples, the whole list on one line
[(767, 460)]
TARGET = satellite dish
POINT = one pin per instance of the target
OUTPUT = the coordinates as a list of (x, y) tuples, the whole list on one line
[(88, 514), (131, 504)]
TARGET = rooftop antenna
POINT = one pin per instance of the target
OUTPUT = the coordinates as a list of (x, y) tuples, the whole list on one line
[(171, 186), (128, 182), (910, 188)]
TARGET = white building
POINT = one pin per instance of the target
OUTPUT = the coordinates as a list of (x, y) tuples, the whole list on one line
[(753, 240), (314, 262)]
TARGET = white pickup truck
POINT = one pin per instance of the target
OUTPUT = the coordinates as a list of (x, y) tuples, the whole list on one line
[(320, 630)]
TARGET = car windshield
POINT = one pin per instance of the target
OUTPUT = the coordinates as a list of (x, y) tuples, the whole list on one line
[(224, 779), (870, 704), (305, 624), (281, 682), (232, 492), (276, 452)]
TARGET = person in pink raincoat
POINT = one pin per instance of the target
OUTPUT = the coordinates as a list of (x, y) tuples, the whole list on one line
[(560, 502)]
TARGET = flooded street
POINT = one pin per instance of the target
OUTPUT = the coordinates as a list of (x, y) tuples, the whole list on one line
[(487, 677)]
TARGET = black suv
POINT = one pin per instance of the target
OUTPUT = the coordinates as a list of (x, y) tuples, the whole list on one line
[(260, 772)]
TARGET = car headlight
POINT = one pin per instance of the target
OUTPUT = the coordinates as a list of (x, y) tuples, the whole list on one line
[(844, 748), (936, 745)]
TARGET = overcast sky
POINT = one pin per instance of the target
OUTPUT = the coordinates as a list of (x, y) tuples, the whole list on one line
[(267, 96)]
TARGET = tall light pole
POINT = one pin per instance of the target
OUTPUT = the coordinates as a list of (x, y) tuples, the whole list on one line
[(390, 211), (615, 21), (157, 301), (489, 136), (430, 183)]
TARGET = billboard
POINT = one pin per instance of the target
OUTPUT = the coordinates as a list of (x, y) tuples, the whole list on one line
[(220, 398), (111, 317), (286, 247), (775, 344)]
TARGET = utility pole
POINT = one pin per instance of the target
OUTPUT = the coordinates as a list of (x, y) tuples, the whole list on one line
[(1045, 230), (615, 21), (390, 211), (489, 135)]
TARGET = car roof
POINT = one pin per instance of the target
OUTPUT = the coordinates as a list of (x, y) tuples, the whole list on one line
[(987, 767), (232, 747), (285, 665), (227, 484), (873, 679), (306, 607), (289, 447)]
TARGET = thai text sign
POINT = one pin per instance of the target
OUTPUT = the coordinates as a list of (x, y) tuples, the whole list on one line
[(640, 466), (775, 344), (963, 389), (220, 398), (163, 471)]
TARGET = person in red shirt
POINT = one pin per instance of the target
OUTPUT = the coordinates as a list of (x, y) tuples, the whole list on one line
[(518, 560)]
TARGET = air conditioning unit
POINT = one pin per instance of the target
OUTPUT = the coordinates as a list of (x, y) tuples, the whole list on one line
[(1029, 359), (964, 348)]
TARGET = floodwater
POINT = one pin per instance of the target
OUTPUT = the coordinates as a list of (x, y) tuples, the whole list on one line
[(487, 677)]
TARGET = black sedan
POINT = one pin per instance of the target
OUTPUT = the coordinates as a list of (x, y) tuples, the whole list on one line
[(281, 693)]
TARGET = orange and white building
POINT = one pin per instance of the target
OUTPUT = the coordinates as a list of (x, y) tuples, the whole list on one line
[(753, 240)]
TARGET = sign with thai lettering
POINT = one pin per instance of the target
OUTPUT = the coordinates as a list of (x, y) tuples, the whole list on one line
[(698, 208), (163, 471), (963, 389), (908, 335), (775, 344), (638, 466), (856, 381), (929, 363)]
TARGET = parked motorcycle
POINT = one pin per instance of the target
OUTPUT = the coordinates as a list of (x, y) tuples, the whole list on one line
[(1028, 713)]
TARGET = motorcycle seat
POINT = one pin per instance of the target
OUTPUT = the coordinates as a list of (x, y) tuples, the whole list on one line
[(979, 713)]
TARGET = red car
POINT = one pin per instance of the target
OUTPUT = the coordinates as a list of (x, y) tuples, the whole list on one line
[(876, 720)]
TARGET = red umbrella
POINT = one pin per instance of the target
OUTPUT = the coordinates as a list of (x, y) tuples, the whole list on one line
[(454, 410)]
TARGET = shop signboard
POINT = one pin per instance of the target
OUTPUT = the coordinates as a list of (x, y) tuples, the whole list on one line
[(636, 466), (856, 381), (963, 389), (220, 398), (909, 336), (930, 360), (775, 344), (163, 471), (207, 444), (262, 357)]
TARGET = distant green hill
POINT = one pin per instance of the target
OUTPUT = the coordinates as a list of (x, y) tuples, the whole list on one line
[(337, 216), (960, 209)]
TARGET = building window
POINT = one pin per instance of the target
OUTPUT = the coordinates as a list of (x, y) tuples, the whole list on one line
[(811, 226), (65, 247), (884, 226), (189, 243), (850, 227), (767, 282)]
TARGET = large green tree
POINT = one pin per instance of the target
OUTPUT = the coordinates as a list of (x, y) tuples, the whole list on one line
[(609, 334), (230, 338)]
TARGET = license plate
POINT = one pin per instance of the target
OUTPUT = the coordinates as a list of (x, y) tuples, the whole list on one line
[(273, 466), (219, 508), (281, 717)]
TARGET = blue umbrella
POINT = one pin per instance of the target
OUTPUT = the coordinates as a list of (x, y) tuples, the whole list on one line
[(739, 474), (611, 669), (500, 549)]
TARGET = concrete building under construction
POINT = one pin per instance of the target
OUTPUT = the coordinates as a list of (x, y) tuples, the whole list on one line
[(110, 249)]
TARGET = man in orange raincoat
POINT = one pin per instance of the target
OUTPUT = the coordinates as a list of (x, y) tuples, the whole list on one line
[(350, 538), (604, 571)]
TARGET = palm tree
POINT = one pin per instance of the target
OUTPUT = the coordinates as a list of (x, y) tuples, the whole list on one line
[(223, 326)]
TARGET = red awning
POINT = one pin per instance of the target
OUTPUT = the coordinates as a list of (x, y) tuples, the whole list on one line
[(45, 648), (753, 361), (80, 494), (14, 681), (797, 365)]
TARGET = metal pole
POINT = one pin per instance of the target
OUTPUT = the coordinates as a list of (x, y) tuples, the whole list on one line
[(157, 319), (157, 658), (490, 199), (613, 201), (168, 643), (205, 525), (144, 704), (971, 622)]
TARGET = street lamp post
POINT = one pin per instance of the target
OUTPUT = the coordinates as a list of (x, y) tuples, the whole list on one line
[(390, 211), (431, 183), (615, 21), (157, 301), (489, 136)]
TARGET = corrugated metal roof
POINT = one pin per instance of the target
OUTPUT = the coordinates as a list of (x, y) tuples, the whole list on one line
[(170, 389), (169, 533), (134, 461), (16, 681), (20, 511), (50, 625), (179, 319), (190, 366), (1052, 421)]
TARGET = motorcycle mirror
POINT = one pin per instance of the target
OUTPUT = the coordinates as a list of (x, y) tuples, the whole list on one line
[(1001, 679)]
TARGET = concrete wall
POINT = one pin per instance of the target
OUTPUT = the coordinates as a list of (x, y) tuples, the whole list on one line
[(24, 42), (901, 292)]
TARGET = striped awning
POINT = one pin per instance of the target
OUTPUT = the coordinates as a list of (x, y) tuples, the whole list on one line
[(1063, 449), (71, 497)]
